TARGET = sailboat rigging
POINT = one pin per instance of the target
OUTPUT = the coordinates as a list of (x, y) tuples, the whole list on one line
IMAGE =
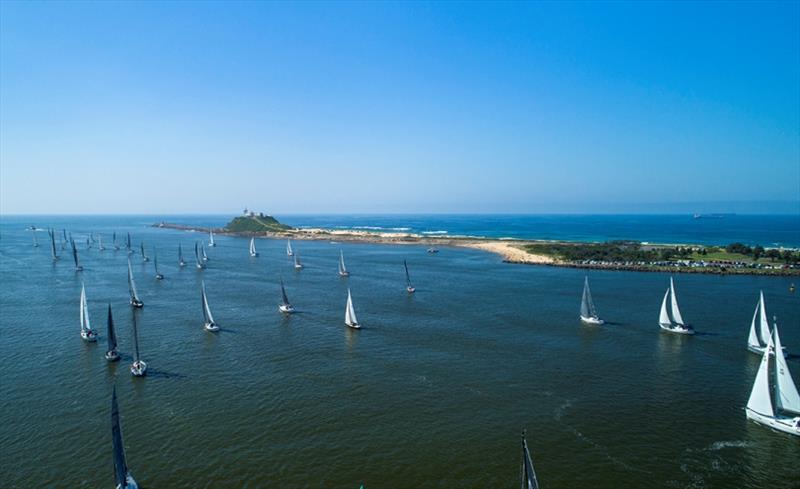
[(342, 268), (87, 333), (285, 306), (350, 313), (670, 318), (135, 301), (253, 251), (138, 367), (588, 311), (122, 476), (111, 354), (208, 320)]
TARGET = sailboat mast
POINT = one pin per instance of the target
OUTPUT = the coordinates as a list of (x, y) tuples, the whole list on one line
[(120, 465), (135, 339)]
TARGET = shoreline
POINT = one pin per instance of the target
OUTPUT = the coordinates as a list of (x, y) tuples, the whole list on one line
[(510, 250)]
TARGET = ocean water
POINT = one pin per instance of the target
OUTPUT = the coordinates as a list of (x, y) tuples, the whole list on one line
[(432, 393), (773, 230)]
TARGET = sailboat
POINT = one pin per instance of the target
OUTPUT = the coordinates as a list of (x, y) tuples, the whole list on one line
[(285, 306), (159, 276), (111, 354), (87, 333), (88, 244), (350, 313), (122, 476), (528, 475), (253, 251), (588, 311), (197, 261), (670, 319), (208, 319), (759, 328), (114, 241), (78, 267), (181, 261), (100, 242), (342, 269), (144, 256), (759, 407), (35, 243), (203, 252), (211, 242), (135, 301), (289, 247), (128, 245), (52, 234), (409, 288), (138, 367), (297, 264)]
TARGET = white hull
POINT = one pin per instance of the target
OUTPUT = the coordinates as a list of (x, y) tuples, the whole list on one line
[(137, 303), (145, 259), (344, 274), (253, 254), (285, 308), (130, 483), (677, 329), (139, 370), (411, 290), (779, 423), (298, 267), (592, 320), (354, 325), (79, 268), (159, 276), (182, 264), (112, 356), (211, 327), (90, 337)]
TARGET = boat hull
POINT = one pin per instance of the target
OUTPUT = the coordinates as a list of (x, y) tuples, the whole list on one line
[(139, 370), (285, 308), (137, 303), (684, 330), (159, 277), (592, 320), (130, 483), (778, 423), (211, 327), (90, 338), (353, 325), (411, 290), (254, 255), (112, 356), (344, 274)]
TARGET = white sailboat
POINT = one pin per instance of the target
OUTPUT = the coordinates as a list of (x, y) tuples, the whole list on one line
[(342, 269), (759, 328), (209, 324), (122, 476), (114, 241), (203, 252), (87, 333), (100, 242), (138, 367), (198, 262), (297, 264), (529, 480), (159, 275), (671, 319), (409, 287), (253, 251), (181, 261), (759, 407), (588, 311), (111, 354), (135, 301), (285, 306), (350, 313), (144, 256), (289, 247), (211, 242)]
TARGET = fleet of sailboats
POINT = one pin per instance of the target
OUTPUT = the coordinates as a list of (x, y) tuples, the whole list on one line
[(350, 313), (135, 301), (138, 367), (122, 476), (87, 333), (285, 306), (253, 251), (111, 354), (588, 311), (783, 415), (409, 287), (670, 318), (208, 320), (342, 269)]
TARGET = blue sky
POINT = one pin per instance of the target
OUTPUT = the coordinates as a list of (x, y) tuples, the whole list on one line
[(204, 107)]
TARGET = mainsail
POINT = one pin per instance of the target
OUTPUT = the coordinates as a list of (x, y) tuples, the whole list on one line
[(120, 466), (676, 313), (131, 283), (75, 255), (85, 324), (284, 297), (786, 396), (52, 234), (350, 313), (760, 401), (342, 268), (587, 304), (289, 247), (253, 247), (135, 339), (206, 310), (408, 277), (211, 238), (663, 318), (112, 336), (180, 254), (528, 474), (197, 256)]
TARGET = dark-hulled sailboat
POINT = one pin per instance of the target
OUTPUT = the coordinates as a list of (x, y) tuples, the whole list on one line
[(111, 354), (78, 267), (409, 288), (52, 234), (128, 245), (122, 476)]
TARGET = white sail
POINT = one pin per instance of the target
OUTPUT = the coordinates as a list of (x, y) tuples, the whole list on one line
[(252, 246), (207, 310), (676, 313), (211, 238), (786, 396), (764, 323), (350, 313), (760, 401), (85, 324), (131, 283), (342, 268), (663, 318), (289, 247), (752, 339)]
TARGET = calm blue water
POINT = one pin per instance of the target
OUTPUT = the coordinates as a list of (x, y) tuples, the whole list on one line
[(782, 230), (432, 393)]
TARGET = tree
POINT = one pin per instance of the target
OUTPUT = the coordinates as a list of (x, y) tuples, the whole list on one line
[(773, 254), (758, 250)]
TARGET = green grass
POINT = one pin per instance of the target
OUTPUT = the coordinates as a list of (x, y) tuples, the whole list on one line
[(255, 224), (723, 255)]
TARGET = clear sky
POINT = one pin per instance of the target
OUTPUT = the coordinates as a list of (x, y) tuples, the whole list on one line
[(205, 107)]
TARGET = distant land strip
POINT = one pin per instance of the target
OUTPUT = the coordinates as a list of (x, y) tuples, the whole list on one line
[(736, 258)]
